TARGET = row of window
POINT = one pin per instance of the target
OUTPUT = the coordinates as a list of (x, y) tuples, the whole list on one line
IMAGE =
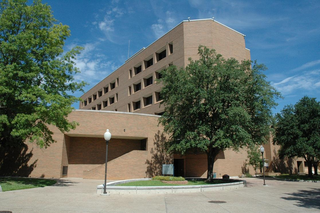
[(156, 57), (107, 102), (146, 101), (101, 92)]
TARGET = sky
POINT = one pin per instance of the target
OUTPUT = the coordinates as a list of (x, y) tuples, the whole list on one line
[(282, 34)]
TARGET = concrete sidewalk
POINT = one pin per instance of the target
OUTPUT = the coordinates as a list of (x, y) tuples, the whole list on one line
[(78, 195)]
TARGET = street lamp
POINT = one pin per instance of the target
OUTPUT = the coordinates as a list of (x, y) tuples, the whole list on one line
[(107, 137), (262, 151)]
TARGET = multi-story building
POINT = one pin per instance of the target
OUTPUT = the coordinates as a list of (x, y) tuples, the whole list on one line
[(126, 103), (133, 87)]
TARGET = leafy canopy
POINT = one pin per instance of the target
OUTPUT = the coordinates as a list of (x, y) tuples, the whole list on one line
[(216, 103), (298, 130), (36, 76)]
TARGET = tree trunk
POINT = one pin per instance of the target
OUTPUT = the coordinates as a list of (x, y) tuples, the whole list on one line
[(309, 168), (211, 156), (315, 167)]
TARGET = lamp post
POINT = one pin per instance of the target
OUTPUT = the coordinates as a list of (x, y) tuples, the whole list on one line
[(262, 151), (107, 137)]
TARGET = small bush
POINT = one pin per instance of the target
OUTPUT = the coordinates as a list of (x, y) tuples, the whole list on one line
[(168, 178), (248, 175)]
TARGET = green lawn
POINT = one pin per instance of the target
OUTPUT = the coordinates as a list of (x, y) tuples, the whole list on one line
[(298, 177), (13, 183), (159, 183)]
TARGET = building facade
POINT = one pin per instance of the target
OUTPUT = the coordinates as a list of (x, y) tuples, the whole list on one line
[(128, 103), (133, 87)]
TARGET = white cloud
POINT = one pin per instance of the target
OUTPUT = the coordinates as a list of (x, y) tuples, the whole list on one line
[(93, 65), (308, 81), (164, 25), (307, 65)]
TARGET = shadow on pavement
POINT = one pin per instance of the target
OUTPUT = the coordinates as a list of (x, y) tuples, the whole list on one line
[(65, 183), (305, 198)]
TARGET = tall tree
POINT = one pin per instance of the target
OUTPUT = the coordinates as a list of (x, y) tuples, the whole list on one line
[(298, 131), (214, 104), (36, 76)]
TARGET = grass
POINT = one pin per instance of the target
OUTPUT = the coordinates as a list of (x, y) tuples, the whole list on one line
[(298, 177), (159, 183), (15, 183)]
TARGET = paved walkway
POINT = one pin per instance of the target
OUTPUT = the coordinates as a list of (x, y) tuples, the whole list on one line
[(78, 195)]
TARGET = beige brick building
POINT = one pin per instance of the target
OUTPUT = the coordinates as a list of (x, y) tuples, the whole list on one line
[(127, 103)]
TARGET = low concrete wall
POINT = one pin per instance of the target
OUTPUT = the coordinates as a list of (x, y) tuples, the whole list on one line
[(112, 189)]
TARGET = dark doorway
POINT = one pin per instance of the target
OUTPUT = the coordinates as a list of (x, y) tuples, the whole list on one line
[(179, 167)]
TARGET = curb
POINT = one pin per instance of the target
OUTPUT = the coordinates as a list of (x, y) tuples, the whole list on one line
[(112, 189)]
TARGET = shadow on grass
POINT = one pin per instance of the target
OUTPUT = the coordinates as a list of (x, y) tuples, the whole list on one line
[(305, 198)]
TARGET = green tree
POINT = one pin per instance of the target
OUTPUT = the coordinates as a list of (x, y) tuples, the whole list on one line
[(214, 104), (36, 76), (254, 157), (298, 131)]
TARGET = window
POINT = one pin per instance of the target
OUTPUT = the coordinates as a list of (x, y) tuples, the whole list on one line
[(106, 89), (89, 100), (158, 97), (94, 97), (99, 106), (112, 85), (118, 82), (147, 101), (111, 100), (137, 87), (137, 70), (105, 103), (171, 48), (129, 90), (93, 108), (85, 103), (136, 105), (148, 81), (161, 55), (159, 113), (148, 63), (158, 75), (143, 143), (130, 73), (129, 107), (117, 97), (100, 93)]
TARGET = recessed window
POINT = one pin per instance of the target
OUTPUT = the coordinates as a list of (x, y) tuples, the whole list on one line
[(94, 97), (99, 106), (137, 70), (129, 90), (148, 63), (112, 85), (129, 107), (158, 97), (85, 103), (105, 103), (130, 73), (99, 93), (106, 89), (158, 75), (89, 100), (148, 81), (93, 108), (161, 55), (159, 113), (136, 105), (137, 87), (111, 100), (147, 101), (117, 97), (171, 48)]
